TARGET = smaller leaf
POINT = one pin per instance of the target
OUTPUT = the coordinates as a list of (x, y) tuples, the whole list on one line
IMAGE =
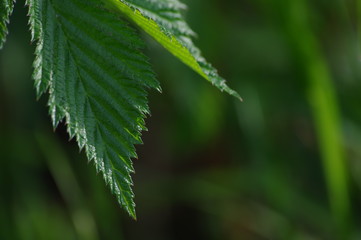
[(163, 21), (6, 8)]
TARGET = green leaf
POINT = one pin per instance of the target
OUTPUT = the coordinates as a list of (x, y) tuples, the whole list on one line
[(162, 19), (6, 8), (89, 60)]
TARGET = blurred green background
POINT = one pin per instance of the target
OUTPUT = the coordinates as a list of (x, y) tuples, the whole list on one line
[(284, 164)]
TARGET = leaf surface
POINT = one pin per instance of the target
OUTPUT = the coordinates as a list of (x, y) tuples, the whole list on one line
[(90, 62), (162, 19), (6, 8)]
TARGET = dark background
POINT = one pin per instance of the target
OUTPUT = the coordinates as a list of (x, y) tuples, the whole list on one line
[(283, 164)]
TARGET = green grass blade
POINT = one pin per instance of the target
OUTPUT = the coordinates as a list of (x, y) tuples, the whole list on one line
[(324, 105)]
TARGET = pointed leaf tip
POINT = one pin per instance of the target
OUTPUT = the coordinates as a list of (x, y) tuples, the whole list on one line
[(97, 79), (171, 31)]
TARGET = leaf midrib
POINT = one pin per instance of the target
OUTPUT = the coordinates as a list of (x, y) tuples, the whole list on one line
[(87, 95)]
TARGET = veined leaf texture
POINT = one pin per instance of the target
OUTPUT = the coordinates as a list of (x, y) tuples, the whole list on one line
[(88, 59)]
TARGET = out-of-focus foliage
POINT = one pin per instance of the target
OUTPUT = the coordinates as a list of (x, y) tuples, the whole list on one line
[(252, 170)]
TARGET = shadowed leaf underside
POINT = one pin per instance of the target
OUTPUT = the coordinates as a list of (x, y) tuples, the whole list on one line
[(90, 63)]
